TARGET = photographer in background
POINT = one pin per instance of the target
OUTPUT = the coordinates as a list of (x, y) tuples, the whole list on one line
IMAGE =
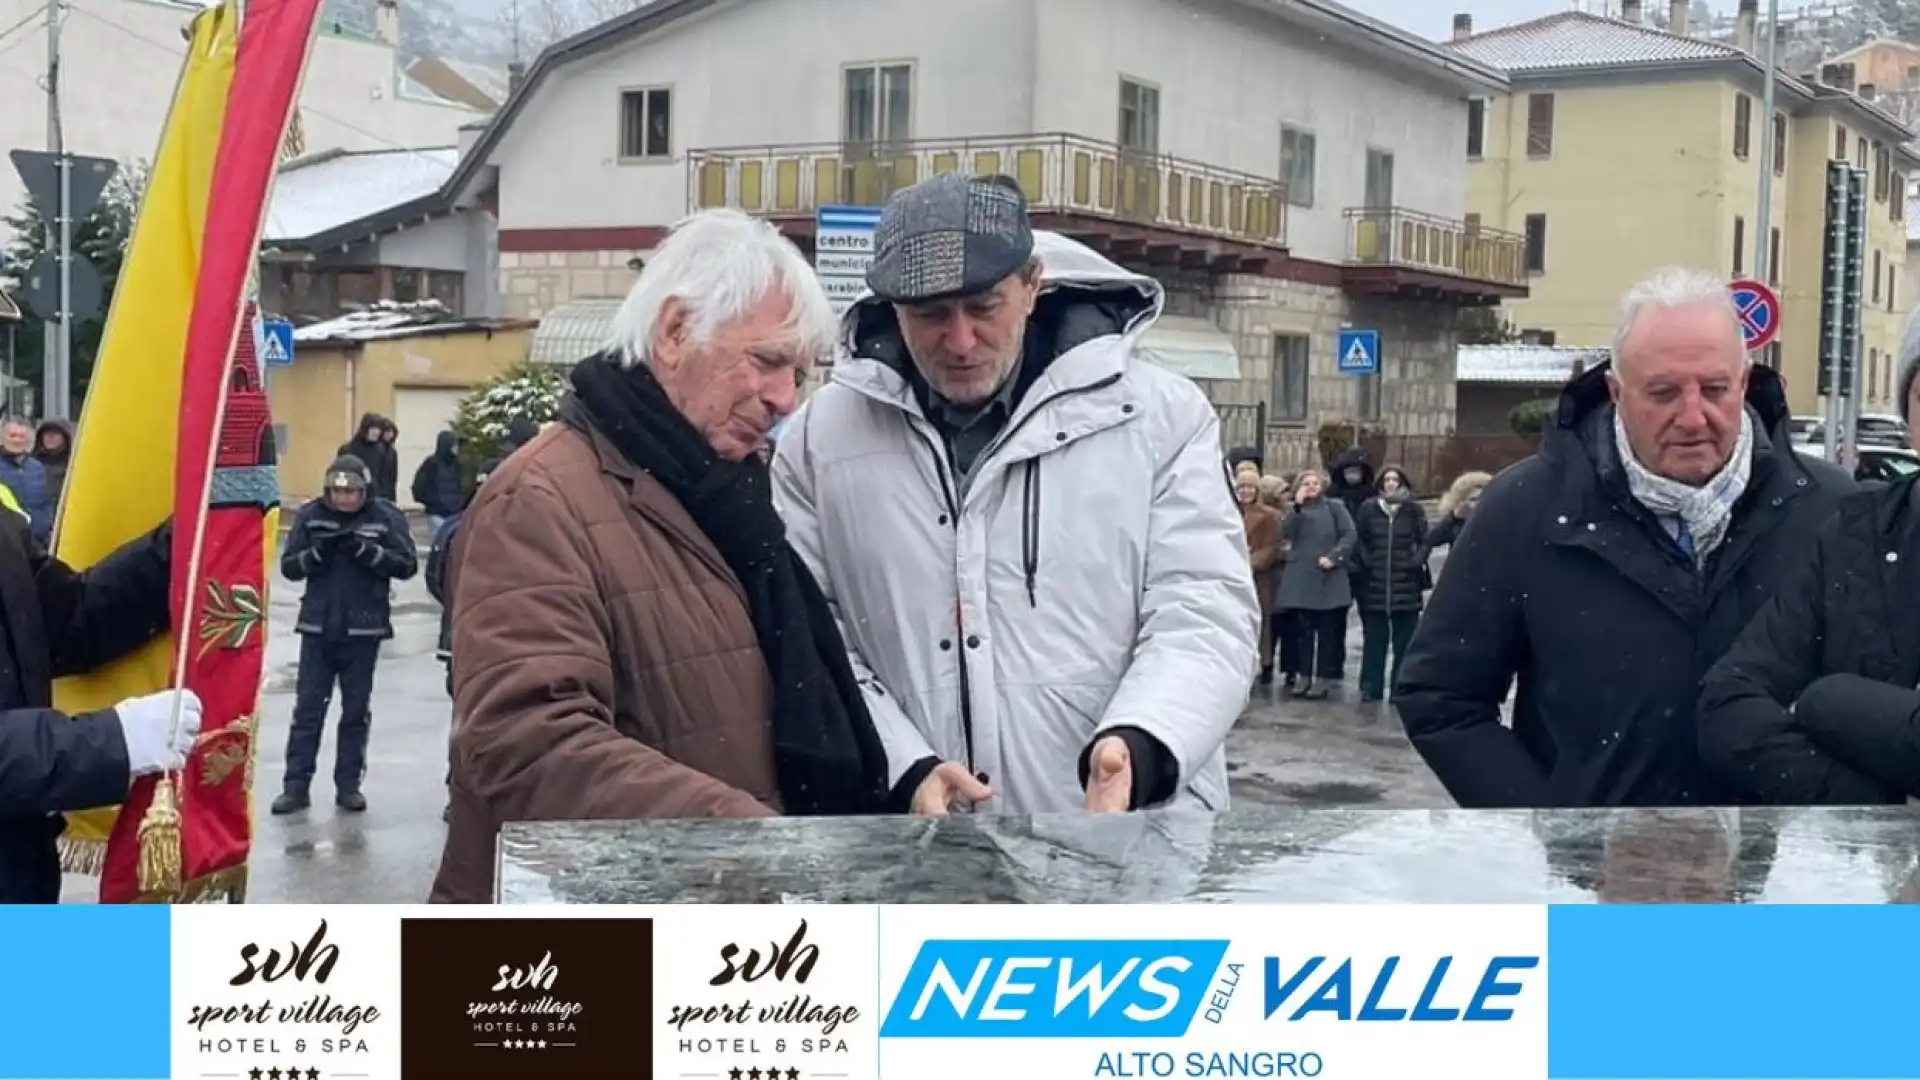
[(348, 546)]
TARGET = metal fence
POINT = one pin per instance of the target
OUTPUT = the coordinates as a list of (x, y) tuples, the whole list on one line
[(1243, 425)]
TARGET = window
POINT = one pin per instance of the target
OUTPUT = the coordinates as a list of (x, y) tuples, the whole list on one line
[(1139, 117), (1893, 303), (1291, 355), (1536, 243), (408, 285), (1739, 246), (1882, 172), (1539, 125), (1861, 150), (1897, 197), (1773, 258), (1839, 143), (646, 124), (1379, 179), (877, 104), (1876, 277), (1779, 144), (1742, 125), (1297, 165), (1476, 128)]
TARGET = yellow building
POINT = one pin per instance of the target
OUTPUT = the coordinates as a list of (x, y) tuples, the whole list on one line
[(1622, 148), (410, 367)]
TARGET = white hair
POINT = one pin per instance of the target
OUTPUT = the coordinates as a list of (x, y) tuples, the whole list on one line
[(1670, 288), (718, 264)]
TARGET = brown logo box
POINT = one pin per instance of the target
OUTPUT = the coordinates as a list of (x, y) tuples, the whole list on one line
[(558, 999)]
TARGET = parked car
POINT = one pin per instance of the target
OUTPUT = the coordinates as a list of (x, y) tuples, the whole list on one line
[(1877, 464), (1881, 429)]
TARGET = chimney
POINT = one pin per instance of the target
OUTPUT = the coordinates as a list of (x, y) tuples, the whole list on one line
[(1630, 11), (1462, 27), (516, 74), (386, 21), (1745, 24), (1677, 14)]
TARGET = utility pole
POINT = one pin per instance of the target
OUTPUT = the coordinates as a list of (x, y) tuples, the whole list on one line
[(1763, 229), (59, 339)]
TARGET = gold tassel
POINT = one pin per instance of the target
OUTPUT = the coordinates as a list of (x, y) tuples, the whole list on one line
[(160, 843)]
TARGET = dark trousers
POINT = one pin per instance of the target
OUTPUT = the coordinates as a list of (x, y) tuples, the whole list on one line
[(323, 663), (1320, 641), (1278, 633), (1379, 631)]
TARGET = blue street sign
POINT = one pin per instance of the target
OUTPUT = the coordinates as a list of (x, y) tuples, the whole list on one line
[(1759, 308), (276, 342), (1359, 352)]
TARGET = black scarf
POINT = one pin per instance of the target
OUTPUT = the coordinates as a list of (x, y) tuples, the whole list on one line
[(827, 753)]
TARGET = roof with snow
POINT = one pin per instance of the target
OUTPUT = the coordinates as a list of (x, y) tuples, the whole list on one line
[(1575, 40), (490, 81), (388, 320), (1524, 365), (320, 196)]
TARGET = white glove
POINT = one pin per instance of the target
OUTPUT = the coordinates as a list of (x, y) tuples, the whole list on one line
[(153, 743)]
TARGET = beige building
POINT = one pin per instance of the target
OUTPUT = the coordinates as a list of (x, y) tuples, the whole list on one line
[(1286, 170), (411, 363), (121, 59), (1622, 147)]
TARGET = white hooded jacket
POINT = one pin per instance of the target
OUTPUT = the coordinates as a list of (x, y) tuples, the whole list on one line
[(1092, 574)]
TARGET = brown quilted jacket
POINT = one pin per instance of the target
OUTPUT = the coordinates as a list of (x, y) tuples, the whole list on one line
[(605, 663)]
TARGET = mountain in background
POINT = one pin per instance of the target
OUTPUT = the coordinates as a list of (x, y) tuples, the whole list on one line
[(493, 32)]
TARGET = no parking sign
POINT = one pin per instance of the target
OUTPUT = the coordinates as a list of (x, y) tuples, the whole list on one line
[(1759, 308)]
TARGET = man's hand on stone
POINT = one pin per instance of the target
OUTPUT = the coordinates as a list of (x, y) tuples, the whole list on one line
[(948, 785)]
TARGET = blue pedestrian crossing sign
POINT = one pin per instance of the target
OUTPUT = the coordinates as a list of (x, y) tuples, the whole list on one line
[(276, 342), (1359, 352)]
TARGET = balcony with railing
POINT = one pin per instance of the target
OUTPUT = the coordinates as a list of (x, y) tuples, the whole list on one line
[(1164, 206), (1396, 251)]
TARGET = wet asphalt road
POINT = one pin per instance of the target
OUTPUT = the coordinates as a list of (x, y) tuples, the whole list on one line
[(1282, 752)]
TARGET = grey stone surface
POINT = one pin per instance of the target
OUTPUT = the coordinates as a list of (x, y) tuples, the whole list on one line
[(1249, 854)]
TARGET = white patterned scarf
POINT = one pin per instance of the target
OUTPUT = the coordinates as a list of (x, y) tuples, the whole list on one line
[(1699, 516)]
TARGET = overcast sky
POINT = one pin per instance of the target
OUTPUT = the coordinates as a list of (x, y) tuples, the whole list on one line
[(1434, 18)]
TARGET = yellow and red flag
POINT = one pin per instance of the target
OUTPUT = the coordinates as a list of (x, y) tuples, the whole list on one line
[(176, 423)]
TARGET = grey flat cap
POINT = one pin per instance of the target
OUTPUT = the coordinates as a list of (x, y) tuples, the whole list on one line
[(949, 236)]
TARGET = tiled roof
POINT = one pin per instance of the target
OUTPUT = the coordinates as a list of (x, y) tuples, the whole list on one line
[(1523, 365), (572, 332), (317, 196), (1574, 39)]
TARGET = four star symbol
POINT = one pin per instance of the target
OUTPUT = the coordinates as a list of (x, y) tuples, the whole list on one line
[(526, 1044), (276, 1073), (757, 1073)]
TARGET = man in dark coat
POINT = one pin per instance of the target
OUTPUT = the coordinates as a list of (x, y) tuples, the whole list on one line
[(53, 445), (1816, 702), (436, 483), (348, 547), (1612, 569), (53, 623), (370, 445)]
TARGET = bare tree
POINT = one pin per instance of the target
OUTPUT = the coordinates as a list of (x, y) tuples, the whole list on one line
[(532, 25)]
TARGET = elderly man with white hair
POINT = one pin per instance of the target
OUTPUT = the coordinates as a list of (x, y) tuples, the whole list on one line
[(1609, 572), (1022, 523), (632, 635)]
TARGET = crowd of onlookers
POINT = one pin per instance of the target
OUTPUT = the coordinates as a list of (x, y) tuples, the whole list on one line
[(33, 469), (1325, 544)]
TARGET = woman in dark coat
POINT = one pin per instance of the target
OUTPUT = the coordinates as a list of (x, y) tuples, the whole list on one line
[(1390, 555), (1815, 703)]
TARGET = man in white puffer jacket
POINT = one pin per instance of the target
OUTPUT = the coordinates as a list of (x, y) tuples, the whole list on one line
[(1021, 526)]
